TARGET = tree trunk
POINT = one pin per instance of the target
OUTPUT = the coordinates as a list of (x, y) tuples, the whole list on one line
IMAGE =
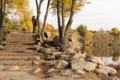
[(59, 21), (38, 6), (63, 21), (45, 18), (1, 20), (65, 39)]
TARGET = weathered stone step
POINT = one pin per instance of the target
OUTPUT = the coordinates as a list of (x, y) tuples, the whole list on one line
[(17, 48), (19, 45), (16, 54), (20, 51), (14, 59), (15, 63), (23, 41), (5, 57)]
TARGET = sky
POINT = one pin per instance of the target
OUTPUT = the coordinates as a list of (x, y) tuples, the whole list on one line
[(100, 14)]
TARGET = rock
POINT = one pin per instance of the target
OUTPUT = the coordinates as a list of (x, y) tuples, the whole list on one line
[(65, 72), (94, 59), (113, 78), (101, 72), (35, 63), (89, 66), (81, 64), (35, 71), (14, 68), (49, 57), (37, 58), (51, 70), (3, 43), (77, 64), (78, 71), (79, 55), (57, 53), (74, 43), (108, 69), (49, 50), (61, 64), (37, 47), (1, 47)]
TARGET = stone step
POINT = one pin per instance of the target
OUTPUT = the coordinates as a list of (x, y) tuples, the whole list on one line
[(6, 63), (16, 54), (18, 48), (14, 59), (5, 57), (19, 51)]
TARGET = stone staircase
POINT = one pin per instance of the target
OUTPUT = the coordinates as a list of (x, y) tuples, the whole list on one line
[(18, 50)]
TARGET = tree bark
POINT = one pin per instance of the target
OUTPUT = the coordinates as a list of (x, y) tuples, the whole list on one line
[(38, 6), (63, 21), (45, 19), (1, 20), (65, 38), (59, 21)]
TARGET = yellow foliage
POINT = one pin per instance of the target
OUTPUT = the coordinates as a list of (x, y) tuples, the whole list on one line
[(74, 33), (22, 14), (50, 28), (115, 58), (115, 30), (88, 37)]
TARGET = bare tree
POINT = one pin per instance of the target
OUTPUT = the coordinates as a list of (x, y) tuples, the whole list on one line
[(63, 34), (45, 19), (2, 14), (38, 7)]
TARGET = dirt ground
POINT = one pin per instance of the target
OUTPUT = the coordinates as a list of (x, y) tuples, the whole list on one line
[(7, 75)]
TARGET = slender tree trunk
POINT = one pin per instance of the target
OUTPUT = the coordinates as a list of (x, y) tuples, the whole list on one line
[(1, 19), (59, 21), (45, 19), (38, 6), (63, 21), (65, 39)]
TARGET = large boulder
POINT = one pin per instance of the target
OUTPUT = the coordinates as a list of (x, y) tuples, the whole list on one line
[(89, 66), (101, 72), (81, 64), (77, 64), (94, 59), (108, 69)]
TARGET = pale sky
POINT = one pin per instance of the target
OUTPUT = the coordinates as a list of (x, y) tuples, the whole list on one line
[(99, 14)]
